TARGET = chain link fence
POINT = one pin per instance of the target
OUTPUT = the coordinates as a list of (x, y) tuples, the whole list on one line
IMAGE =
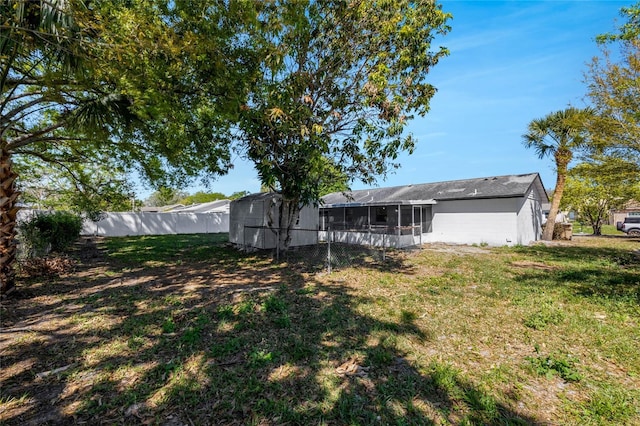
[(325, 250)]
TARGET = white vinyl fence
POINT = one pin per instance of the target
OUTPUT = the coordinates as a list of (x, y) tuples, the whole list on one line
[(133, 223)]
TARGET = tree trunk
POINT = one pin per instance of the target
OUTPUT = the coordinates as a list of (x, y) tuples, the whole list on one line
[(288, 215), (597, 228), (8, 214), (547, 233)]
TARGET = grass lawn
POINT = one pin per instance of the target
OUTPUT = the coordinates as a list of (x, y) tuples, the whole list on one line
[(179, 330), (579, 228)]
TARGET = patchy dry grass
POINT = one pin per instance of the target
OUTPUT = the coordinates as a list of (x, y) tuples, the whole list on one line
[(183, 330)]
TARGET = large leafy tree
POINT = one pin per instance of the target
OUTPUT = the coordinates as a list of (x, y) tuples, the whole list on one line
[(559, 135), (165, 196), (151, 83), (597, 185), (340, 81), (84, 188), (613, 81)]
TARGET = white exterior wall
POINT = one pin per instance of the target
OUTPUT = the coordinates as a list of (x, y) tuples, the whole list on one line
[(365, 238), (124, 224), (530, 219), (478, 221), (245, 213), (248, 213)]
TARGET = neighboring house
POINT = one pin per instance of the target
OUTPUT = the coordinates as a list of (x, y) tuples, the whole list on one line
[(254, 218), (561, 217), (499, 210), (212, 206), (159, 209), (631, 209)]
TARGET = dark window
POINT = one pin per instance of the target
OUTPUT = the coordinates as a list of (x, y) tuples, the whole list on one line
[(381, 215)]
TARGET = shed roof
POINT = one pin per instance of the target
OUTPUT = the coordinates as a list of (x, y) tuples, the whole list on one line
[(508, 186), (258, 196)]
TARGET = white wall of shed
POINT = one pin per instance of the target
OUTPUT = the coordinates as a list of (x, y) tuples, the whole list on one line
[(245, 213), (263, 212)]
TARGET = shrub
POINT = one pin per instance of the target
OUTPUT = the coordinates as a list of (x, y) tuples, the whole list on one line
[(49, 232)]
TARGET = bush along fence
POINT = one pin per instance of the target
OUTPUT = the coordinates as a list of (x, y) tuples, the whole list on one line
[(325, 250)]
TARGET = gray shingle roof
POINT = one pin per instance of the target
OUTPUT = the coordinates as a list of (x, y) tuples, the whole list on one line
[(489, 187), (211, 206)]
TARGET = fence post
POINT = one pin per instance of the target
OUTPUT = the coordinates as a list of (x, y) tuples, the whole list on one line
[(384, 247), (278, 245), (329, 250)]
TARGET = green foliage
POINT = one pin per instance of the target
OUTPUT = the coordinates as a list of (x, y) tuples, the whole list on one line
[(556, 364), (548, 314), (560, 135), (277, 307), (229, 346), (598, 185), (47, 232), (202, 197), (169, 325), (338, 84), (238, 194), (613, 87), (260, 358), (629, 31), (274, 304), (611, 404), (88, 188), (164, 197)]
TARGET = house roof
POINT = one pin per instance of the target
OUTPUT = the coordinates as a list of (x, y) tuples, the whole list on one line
[(508, 186), (157, 209), (212, 206)]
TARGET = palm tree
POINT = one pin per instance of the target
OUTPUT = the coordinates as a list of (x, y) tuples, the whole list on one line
[(29, 29), (559, 134), (39, 99)]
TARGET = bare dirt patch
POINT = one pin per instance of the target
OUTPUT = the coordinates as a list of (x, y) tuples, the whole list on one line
[(532, 264), (455, 248)]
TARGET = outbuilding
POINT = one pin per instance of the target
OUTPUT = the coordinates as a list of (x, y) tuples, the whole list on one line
[(497, 210), (253, 222)]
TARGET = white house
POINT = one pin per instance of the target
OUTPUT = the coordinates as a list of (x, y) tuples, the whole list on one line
[(253, 222), (498, 210)]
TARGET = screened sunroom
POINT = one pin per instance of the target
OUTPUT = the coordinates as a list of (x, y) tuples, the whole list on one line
[(400, 224)]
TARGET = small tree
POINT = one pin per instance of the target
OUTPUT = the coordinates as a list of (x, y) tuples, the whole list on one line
[(339, 82), (598, 185), (164, 197)]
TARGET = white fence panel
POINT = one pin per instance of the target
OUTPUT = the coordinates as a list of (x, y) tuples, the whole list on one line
[(124, 224)]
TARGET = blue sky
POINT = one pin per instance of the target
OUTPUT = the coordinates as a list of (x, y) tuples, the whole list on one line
[(510, 62)]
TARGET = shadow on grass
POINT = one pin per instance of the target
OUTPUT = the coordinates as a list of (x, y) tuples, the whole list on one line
[(611, 273), (223, 339)]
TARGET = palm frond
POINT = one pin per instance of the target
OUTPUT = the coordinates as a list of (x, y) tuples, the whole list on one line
[(102, 111)]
